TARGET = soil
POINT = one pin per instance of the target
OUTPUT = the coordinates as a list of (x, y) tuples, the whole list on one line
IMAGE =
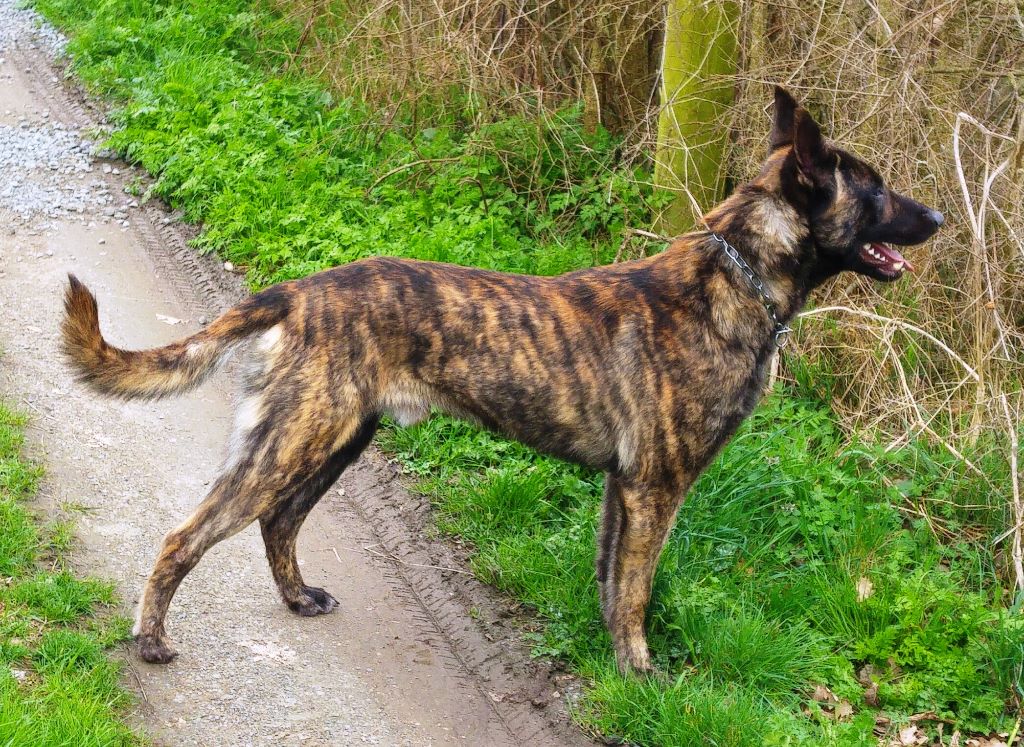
[(419, 653)]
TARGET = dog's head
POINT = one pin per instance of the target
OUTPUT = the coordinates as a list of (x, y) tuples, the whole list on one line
[(855, 221)]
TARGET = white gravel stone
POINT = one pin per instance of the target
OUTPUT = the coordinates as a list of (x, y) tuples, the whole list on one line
[(42, 162), (24, 27), (37, 170)]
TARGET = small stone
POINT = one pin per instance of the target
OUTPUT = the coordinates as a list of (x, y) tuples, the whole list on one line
[(102, 241), (230, 267)]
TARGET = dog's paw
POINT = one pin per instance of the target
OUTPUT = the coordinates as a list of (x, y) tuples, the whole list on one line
[(314, 602), (154, 649), (633, 658)]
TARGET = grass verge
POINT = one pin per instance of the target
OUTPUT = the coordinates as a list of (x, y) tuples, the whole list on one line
[(57, 685), (803, 598)]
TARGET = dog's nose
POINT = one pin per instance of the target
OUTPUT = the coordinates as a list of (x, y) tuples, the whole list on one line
[(936, 217)]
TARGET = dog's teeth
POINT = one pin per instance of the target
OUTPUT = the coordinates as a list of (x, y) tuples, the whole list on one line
[(898, 266), (868, 247)]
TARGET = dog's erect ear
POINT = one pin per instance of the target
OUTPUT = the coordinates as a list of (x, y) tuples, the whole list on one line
[(783, 120), (809, 146)]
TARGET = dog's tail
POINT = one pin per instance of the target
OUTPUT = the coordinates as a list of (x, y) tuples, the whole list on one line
[(159, 372)]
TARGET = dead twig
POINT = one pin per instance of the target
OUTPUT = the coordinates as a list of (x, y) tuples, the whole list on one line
[(898, 323), (406, 167)]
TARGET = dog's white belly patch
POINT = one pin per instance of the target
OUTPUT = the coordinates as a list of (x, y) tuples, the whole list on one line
[(407, 416), (407, 405)]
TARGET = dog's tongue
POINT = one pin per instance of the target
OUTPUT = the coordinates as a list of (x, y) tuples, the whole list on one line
[(892, 255)]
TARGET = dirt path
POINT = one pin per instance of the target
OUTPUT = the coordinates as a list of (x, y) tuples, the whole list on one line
[(401, 661)]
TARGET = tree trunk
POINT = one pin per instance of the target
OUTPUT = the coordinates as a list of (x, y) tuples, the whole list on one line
[(699, 56)]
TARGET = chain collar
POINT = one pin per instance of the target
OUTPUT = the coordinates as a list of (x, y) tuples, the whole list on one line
[(781, 330)]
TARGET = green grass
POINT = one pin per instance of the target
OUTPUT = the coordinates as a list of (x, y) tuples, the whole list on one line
[(57, 685), (756, 601), (756, 598)]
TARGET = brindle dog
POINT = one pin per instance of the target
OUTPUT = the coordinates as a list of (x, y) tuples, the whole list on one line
[(643, 369)]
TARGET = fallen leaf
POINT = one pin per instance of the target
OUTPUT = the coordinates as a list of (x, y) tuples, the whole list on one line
[(881, 729), (843, 711), (909, 736), (823, 695)]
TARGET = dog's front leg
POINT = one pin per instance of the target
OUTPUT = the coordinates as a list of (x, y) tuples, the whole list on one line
[(647, 516)]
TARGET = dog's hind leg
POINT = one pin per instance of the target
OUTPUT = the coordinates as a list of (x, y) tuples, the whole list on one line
[(281, 451), (647, 517), (280, 526), (231, 505)]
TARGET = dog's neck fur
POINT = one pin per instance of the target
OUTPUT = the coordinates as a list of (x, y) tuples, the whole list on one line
[(773, 238)]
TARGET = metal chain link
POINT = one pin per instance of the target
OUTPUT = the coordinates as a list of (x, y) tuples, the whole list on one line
[(781, 330)]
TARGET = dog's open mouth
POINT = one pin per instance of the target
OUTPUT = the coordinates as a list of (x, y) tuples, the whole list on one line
[(885, 258)]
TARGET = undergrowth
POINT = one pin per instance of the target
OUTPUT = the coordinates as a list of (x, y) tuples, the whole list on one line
[(289, 181), (57, 685), (800, 560)]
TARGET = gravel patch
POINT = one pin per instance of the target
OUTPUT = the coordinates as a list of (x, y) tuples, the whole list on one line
[(46, 166), (23, 26), (44, 172)]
